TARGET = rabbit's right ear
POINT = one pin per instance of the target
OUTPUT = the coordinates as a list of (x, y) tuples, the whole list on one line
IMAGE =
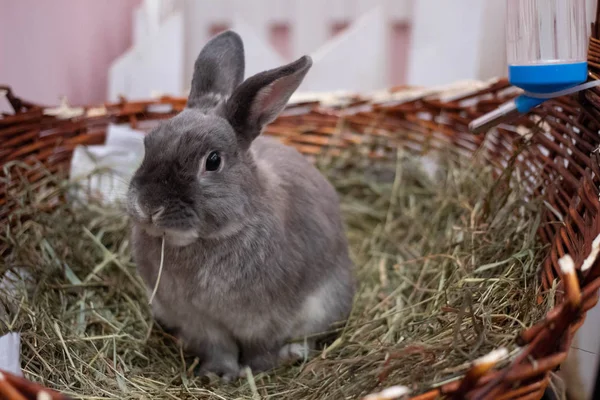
[(260, 99), (218, 70)]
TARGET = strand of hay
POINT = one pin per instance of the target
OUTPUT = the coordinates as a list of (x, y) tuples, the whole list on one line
[(446, 264), (160, 270)]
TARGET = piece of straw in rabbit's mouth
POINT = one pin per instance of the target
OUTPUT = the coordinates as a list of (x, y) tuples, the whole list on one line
[(160, 269)]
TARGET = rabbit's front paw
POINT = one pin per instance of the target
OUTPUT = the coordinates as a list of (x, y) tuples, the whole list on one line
[(294, 352), (269, 359), (225, 368), (260, 358)]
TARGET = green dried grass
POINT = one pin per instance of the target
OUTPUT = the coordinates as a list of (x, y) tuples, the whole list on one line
[(446, 265)]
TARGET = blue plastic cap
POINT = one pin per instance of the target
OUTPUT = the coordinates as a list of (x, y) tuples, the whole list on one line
[(544, 78), (547, 78)]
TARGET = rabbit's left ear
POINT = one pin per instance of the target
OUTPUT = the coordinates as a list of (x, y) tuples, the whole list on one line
[(218, 70), (260, 99)]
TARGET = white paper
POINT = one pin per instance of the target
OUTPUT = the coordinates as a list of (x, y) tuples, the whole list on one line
[(11, 284), (10, 348), (104, 171)]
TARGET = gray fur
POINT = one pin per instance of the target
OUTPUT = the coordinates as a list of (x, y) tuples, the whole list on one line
[(255, 252)]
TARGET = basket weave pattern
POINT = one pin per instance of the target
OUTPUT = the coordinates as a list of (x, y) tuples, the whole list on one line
[(562, 155)]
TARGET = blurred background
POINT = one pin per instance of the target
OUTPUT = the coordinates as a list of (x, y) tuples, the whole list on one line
[(92, 51)]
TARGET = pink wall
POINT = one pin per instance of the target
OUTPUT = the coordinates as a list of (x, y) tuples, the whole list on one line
[(62, 47)]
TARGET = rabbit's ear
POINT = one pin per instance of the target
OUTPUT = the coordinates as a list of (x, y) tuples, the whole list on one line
[(218, 70), (260, 99)]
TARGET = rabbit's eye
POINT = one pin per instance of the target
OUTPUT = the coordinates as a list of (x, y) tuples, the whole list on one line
[(213, 161)]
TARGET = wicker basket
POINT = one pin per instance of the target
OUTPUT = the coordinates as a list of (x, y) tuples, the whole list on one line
[(565, 155)]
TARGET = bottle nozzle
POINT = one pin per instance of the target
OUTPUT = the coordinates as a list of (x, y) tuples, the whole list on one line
[(504, 113)]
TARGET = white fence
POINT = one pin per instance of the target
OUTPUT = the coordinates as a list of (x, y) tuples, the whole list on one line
[(357, 45), (369, 44)]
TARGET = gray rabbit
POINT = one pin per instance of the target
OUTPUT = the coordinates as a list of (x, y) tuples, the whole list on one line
[(255, 251)]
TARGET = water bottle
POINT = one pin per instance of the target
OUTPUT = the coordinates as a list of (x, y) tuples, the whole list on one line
[(546, 44)]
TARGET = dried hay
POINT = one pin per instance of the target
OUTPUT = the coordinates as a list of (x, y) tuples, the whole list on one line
[(446, 263)]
